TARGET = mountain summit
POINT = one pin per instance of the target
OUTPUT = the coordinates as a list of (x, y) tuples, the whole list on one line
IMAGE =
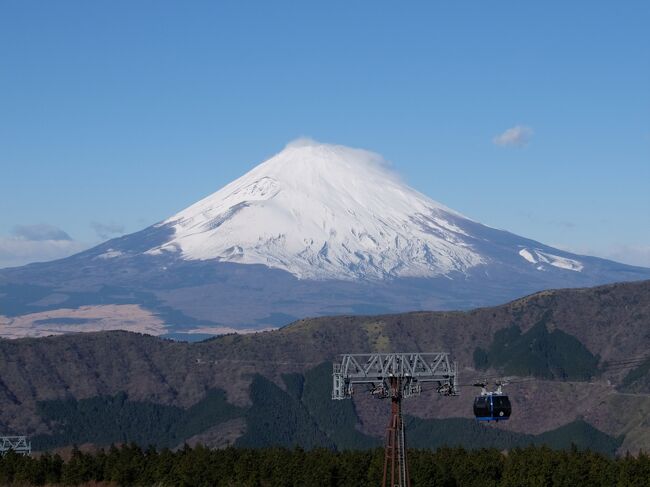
[(322, 211), (317, 229)]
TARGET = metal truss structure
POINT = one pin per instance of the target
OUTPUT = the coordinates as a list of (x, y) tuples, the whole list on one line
[(395, 376), (19, 444)]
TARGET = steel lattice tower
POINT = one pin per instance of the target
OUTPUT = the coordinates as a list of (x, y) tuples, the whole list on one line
[(19, 444), (395, 376)]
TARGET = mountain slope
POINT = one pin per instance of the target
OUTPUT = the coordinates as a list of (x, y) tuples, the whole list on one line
[(316, 230), (611, 322)]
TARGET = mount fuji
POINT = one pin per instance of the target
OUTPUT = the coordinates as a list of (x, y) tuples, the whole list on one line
[(317, 229), (321, 211)]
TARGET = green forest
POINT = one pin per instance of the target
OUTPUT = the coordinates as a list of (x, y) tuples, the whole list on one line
[(130, 465), (538, 353), (104, 420)]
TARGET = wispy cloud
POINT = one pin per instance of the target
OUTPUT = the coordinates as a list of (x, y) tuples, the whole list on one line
[(40, 232), (36, 243), (517, 136), (107, 230), (359, 157), (303, 141)]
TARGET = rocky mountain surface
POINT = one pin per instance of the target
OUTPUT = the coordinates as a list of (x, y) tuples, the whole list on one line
[(578, 359)]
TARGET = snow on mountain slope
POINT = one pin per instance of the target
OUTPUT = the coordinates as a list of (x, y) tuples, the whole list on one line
[(322, 211), (536, 256)]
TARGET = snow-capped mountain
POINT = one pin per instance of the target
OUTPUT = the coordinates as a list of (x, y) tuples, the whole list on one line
[(316, 229), (323, 211)]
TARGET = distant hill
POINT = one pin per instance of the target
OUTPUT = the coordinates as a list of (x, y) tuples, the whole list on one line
[(272, 387)]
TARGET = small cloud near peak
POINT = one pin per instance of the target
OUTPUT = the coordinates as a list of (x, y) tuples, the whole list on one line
[(517, 136), (303, 141), (352, 154)]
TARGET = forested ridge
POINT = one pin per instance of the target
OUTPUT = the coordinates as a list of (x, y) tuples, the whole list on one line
[(577, 359), (129, 465)]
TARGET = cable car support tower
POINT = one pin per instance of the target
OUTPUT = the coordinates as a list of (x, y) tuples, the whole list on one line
[(396, 376)]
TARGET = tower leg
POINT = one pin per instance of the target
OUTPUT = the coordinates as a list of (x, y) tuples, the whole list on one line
[(396, 472)]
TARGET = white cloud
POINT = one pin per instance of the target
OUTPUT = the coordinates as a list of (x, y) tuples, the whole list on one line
[(15, 251), (517, 136), (36, 243), (302, 141), (40, 231), (351, 154)]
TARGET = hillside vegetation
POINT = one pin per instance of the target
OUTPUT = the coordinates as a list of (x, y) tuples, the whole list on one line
[(559, 341), (295, 417), (538, 353), (103, 420)]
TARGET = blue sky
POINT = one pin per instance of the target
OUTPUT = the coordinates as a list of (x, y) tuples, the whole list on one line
[(115, 115)]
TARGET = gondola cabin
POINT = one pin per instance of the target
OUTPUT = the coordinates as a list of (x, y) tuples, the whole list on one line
[(492, 407)]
